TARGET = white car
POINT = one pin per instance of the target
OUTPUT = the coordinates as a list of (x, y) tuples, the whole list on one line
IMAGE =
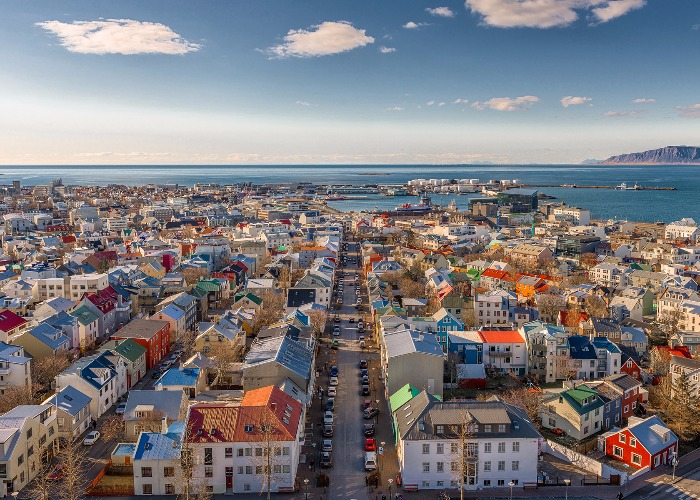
[(332, 392), (121, 408), (91, 438), (333, 381), (328, 417)]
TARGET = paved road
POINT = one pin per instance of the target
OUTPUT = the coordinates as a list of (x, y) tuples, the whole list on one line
[(665, 488)]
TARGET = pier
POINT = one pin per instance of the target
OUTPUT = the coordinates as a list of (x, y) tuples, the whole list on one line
[(576, 186)]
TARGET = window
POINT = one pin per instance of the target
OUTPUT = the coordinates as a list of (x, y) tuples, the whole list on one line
[(487, 466), (208, 456), (501, 447), (440, 448), (258, 452), (426, 484), (228, 453), (426, 449), (29, 433), (168, 471), (636, 459), (241, 470), (501, 427), (515, 465), (633, 442), (441, 466), (248, 469), (454, 447), (623, 438), (146, 472), (169, 489), (147, 489), (487, 428), (208, 471), (286, 469), (285, 451), (246, 487), (501, 482), (501, 465), (239, 452), (426, 466), (440, 484), (627, 408), (248, 452), (487, 482), (617, 451), (30, 451), (277, 469), (487, 447), (585, 430)]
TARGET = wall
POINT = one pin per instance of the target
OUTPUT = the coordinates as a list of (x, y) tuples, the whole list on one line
[(582, 461)]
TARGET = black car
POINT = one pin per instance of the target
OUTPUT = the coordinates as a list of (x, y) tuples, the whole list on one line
[(370, 413), (365, 379), (368, 430), (365, 390), (326, 460), (328, 430), (363, 363), (330, 404)]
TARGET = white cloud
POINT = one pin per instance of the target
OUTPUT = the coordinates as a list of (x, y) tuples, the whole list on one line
[(547, 13), (622, 114), (387, 50), (430, 103), (460, 101), (327, 38), (395, 108), (507, 103), (643, 100), (441, 103), (692, 111), (410, 25), (306, 104), (119, 36), (441, 12), (574, 101)]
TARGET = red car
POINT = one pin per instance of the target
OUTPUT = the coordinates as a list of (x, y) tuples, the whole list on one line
[(558, 431), (56, 474), (370, 444)]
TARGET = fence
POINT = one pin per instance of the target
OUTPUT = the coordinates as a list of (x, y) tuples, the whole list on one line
[(584, 462)]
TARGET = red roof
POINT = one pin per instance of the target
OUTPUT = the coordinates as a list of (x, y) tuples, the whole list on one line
[(10, 320), (501, 336), (680, 351), (204, 418), (105, 300), (495, 273), (268, 406), (70, 238)]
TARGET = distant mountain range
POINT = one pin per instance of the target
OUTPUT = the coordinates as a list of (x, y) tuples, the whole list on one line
[(662, 156)]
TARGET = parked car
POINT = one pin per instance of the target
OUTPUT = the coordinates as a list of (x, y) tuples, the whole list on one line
[(365, 379), (334, 371), (156, 373), (368, 429), (336, 332), (365, 390), (335, 344), (327, 445), (370, 413), (330, 404), (366, 404), (558, 431), (332, 392), (351, 320), (364, 372), (337, 319), (326, 460), (363, 363), (91, 438), (328, 430), (333, 381), (120, 409), (370, 444), (362, 344), (371, 460), (55, 474)]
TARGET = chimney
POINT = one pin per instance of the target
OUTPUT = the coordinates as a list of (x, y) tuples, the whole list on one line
[(164, 425)]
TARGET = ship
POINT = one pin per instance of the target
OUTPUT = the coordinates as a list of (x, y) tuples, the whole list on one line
[(424, 206), (624, 187)]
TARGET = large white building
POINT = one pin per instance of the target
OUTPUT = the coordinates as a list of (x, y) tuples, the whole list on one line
[(684, 229), (499, 446)]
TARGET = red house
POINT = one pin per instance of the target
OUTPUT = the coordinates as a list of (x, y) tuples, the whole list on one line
[(630, 362), (152, 334), (645, 442)]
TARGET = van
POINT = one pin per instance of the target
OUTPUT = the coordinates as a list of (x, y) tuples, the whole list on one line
[(371, 460)]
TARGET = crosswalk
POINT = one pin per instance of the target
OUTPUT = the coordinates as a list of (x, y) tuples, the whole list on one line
[(680, 493)]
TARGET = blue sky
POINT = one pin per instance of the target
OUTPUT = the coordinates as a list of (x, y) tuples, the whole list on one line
[(329, 81)]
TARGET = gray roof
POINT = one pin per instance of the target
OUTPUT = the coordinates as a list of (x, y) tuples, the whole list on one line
[(296, 356), (169, 402), (404, 342), (70, 400), (623, 381), (692, 364)]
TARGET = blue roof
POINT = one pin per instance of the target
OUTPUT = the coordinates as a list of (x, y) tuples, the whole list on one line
[(124, 450), (158, 446), (173, 312), (7, 354), (177, 377), (604, 343), (581, 347), (70, 400), (52, 337)]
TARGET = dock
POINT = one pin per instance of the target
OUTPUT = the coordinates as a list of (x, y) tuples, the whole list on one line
[(576, 186)]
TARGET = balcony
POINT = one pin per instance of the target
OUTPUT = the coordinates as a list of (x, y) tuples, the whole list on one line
[(500, 354)]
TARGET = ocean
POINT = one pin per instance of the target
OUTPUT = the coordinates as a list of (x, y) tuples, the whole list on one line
[(603, 203)]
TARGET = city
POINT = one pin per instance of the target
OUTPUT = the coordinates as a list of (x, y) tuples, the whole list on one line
[(229, 339)]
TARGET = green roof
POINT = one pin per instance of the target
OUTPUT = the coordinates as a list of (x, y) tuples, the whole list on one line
[(212, 285), (252, 297), (130, 349), (402, 396), (85, 316), (577, 396)]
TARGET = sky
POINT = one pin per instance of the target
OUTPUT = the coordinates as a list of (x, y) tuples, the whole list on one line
[(345, 82)]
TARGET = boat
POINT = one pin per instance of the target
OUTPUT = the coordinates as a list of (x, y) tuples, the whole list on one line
[(624, 187), (334, 197), (425, 205)]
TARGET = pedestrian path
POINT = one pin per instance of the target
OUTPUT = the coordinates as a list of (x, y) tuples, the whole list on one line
[(680, 493)]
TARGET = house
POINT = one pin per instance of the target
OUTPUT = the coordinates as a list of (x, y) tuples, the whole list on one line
[(43, 341), (11, 325), (145, 409), (177, 319), (465, 350), (69, 325), (643, 443), (15, 367), (630, 362), (134, 356), (502, 447), (412, 357), (577, 411), (72, 412), (505, 351), (629, 390), (270, 361), (88, 326), (28, 433), (157, 456), (186, 303), (152, 334), (547, 351), (530, 255), (690, 369), (191, 381)]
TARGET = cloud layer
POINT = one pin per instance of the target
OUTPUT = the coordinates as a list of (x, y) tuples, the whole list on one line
[(440, 12), (507, 103), (547, 13), (119, 36), (410, 25), (644, 100), (330, 37), (692, 111), (574, 101)]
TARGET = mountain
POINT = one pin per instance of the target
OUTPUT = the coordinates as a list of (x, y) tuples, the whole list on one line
[(663, 156), (591, 161)]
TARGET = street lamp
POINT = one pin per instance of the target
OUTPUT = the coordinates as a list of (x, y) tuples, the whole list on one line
[(306, 488), (390, 481), (674, 462), (567, 482), (511, 484), (376, 416), (381, 464)]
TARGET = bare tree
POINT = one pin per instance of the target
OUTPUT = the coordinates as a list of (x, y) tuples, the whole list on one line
[(193, 274), (223, 355), (44, 370), (72, 457), (113, 428), (526, 399), (271, 309), (411, 288), (284, 278), (42, 488), (595, 307), (464, 453), (190, 486), (469, 318), (18, 395), (549, 306), (318, 318)]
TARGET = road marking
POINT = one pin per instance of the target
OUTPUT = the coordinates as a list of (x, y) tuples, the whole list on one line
[(669, 489)]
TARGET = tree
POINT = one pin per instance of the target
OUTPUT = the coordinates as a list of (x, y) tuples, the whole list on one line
[(15, 396), (318, 318), (588, 260), (189, 485), (72, 457), (412, 288), (193, 274), (284, 277), (549, 306), (573, 318), (41, 488), (595, 307), (671, 320), (223, 355), (271, 309), (44, 370), (464, 453), (684, 409), (113, 428), (469, 318), (527, 400)]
